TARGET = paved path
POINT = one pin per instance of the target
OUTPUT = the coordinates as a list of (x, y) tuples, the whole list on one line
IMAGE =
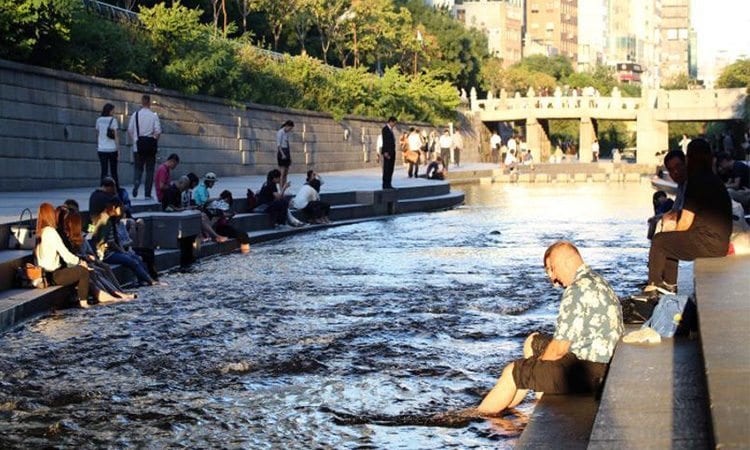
[(12, 203)]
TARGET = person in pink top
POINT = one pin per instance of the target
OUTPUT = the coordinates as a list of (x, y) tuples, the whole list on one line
[(163, 174)]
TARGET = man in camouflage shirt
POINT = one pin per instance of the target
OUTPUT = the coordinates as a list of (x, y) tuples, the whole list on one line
[(576, 357)]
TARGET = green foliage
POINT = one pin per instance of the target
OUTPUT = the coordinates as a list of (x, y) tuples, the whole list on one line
[(557, 67), (681, 81), (35, 31), (735, 75)]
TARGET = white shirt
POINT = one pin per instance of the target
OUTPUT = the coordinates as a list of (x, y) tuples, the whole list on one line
[(458, 141), (415, 142), (282, 138), (511, 144), (50, 249), (496, 141), (148, 124), (446, 141), (305, 195), (510, 158), (595, 147), (104, 143), (379, 143)]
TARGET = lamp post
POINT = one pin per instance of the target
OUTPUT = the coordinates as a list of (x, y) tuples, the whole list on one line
[(420, 40)]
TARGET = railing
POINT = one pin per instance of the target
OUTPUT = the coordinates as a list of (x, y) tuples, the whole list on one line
[(566, 103)]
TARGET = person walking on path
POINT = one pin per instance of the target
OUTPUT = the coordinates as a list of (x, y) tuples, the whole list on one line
[(595, 150), (446, 143), (283, 152), (495, 143), (106, 137), (414, 143), (576, 357), (389, 152), (144, 130), (458, 145)]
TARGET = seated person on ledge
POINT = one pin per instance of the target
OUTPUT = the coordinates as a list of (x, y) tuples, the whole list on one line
[(703, 227), (172, 200), (436, 170), (576, 357)]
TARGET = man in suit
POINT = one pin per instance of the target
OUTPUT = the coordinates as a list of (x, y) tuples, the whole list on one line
[(389, 152)]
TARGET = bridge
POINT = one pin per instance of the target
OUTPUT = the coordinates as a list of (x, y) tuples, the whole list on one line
[(652, 112)]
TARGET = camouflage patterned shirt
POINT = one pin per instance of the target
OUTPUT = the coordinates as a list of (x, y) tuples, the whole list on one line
[(590, 317)]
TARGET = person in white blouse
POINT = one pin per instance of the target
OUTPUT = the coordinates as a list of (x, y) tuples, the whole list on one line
[(106, 138), (50, 249)]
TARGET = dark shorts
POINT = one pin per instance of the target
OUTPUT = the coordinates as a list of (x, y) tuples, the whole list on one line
[(284, 162), (563, 376)]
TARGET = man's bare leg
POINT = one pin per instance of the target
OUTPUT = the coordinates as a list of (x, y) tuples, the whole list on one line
[(502, 395)]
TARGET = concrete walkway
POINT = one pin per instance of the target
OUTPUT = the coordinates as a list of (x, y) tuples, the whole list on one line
[(12, 203)]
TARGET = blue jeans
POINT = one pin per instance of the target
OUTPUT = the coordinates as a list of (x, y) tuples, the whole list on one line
[(132, 262)]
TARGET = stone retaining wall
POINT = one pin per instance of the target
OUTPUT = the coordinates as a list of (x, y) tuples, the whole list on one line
[(47, 136)]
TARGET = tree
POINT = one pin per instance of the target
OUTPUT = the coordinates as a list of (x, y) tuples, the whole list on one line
[(326, 14), (559, 67), (246, 7), (681, 81), (279, 14), (735, 75), (301, 22)]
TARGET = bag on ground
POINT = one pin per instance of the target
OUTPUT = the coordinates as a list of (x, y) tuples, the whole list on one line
[(31, 276), (667, 315), (23, 235)]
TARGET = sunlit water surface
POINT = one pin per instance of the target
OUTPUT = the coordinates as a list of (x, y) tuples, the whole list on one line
[(411, 315)]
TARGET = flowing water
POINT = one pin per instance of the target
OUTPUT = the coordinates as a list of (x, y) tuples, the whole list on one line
[(322, 340)]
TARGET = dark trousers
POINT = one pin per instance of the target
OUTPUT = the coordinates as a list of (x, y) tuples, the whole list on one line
[(76, 275), (457, 156), (108, 159), (132, 262), (413, 169), (670, 247), (388, 165), (445, 154), (148, 161), (229, 231), (278, 209), (495, 155), (316, 210)]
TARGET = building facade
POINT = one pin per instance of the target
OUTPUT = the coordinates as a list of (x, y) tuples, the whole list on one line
[(675, 39), (593, 31), (552, 25), (500, 20)]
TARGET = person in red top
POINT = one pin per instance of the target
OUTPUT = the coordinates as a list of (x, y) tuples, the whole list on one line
[(163, 174)]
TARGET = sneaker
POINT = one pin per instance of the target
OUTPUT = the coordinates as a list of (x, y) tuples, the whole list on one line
[(643, 336)]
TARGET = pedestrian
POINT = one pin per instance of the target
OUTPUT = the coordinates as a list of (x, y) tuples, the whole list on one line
[(595, 150), (106, 138), (283, 152), (144, 130), (446, 143), (495, 142), (411, 155), (389, 152), (458, 145)]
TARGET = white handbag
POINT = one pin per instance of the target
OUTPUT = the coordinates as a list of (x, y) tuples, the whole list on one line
[(23, 236)]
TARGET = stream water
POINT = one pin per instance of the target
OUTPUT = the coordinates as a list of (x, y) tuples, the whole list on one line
[(315, 341)]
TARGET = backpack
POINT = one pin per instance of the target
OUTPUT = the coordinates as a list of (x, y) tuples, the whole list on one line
[(252, 200)]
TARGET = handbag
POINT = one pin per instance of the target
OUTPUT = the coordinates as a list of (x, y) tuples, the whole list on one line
[(110, 130), (31, 276), (23, 236), (667, 315)]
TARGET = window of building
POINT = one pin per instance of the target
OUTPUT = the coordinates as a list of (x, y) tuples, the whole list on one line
[(550, 26), (683, 33), (672, 34)]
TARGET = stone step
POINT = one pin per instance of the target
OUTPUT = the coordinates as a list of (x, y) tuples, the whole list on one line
[(722, 290), (560, 421), (654, 397), (433, 203)]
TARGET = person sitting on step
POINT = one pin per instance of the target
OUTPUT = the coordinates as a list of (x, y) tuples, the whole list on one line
[(702, 230), (576, 357)]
